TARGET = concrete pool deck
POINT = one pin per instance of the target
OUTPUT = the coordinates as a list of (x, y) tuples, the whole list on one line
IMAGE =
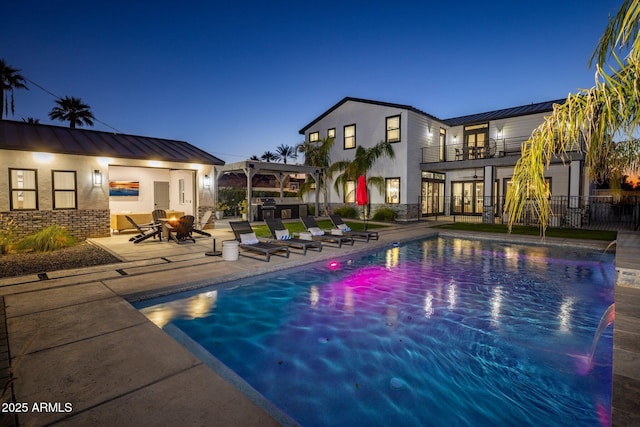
[(78, 346)]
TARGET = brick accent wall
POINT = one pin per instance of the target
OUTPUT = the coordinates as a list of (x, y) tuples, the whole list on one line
[(82, 224)]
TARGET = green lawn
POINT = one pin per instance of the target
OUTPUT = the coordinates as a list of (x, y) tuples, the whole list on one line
[(570, 233)]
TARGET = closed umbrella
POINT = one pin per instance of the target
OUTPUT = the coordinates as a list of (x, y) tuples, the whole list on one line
[(362, 198)]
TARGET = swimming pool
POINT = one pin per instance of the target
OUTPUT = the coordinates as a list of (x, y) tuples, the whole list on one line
[(440, 331)]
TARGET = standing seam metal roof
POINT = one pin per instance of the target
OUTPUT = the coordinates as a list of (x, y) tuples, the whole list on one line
[(56, 139), (541, 107)]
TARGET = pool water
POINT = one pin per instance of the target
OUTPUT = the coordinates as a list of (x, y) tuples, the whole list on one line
[(437, 332)]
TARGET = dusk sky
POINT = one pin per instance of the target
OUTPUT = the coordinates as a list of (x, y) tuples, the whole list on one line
[(241, 77)]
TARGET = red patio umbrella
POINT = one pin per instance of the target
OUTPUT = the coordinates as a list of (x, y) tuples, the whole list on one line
[(362, 198)]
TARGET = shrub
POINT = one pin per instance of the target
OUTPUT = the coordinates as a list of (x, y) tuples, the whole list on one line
[(346, 211), (48, 239), (311, 209), (384, 214), (7, 229)]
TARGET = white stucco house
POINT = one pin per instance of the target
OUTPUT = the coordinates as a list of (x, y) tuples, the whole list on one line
[(456, 166), (88, 180)]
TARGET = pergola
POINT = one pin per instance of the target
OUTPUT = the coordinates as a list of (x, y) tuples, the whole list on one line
[(279, 170)]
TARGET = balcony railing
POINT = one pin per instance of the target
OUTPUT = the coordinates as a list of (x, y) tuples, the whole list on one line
[(460, 152)]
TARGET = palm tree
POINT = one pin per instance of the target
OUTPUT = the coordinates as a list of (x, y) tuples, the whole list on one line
[(284, 152), (587, 122), (317, 154), (30, 120), (268, 156), (10, 79), (72, 110), (255, 158), (360, 165)]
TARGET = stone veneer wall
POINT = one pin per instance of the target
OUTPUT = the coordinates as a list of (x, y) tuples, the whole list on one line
[(202, 210), (82, 224), (404, 212)]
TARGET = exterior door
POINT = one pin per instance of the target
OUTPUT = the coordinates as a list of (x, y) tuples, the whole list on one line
[(161, 195)]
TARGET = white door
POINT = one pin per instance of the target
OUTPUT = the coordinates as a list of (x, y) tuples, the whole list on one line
[(161, 195)]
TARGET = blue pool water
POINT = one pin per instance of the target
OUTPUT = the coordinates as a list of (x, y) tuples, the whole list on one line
[(437, 332)]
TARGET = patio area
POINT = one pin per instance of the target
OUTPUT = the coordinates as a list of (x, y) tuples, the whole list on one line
[(75, 339)]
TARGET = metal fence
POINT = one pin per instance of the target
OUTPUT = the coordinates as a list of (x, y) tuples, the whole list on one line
[(594, 212)]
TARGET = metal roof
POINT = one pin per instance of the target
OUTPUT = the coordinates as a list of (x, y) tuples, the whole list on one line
[(541, 107), (524, 110), (16, 135)]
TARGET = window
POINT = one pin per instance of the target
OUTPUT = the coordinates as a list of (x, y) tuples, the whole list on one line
[(64, 190), (314, 136), (467, 197), (475, 141), (24, 189), (393, 129), (350, 192), (443, 141), (392, 190), (331, 133), (349, 137)]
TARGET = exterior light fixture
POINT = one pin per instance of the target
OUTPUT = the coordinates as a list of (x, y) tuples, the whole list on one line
[(499, 133), (97, 178), (207, 181)]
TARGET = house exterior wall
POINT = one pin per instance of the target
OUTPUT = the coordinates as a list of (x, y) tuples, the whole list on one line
[(419, 150), (91, 217), (370, 121)]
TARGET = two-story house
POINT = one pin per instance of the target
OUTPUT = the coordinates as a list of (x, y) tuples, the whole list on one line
[(457, 166)]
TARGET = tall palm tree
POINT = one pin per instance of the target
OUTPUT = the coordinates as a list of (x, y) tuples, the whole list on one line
[(587, 121), (317, 154), (10, 79), (361, 164), (284, 152), (72, 110), (268, 156), (31, 120)]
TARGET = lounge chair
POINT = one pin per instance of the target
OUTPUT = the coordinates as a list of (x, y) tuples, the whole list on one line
[(200, 226), (282, 237), (146, 231), (248, 241), (346, 231), (311, 226), (183, 230)]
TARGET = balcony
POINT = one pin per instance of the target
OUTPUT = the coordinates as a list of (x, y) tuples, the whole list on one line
[(462, 152)]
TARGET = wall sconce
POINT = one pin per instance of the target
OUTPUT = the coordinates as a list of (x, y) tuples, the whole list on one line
[(97, 178), (455, 138), (499, 133), (207, 181)]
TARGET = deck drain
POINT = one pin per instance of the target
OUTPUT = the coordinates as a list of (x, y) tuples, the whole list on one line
[(43, 276), (122, 272)]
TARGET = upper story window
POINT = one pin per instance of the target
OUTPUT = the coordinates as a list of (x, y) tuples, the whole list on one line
[(314, 136), (23, 185), (443, 144), (393, 129), (476, 138), (349, 136), (331, 133), (65, 195)]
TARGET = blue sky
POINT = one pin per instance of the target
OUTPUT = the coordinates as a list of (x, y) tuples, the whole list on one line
[(241, 77)]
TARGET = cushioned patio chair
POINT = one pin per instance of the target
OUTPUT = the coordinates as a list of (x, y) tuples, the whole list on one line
[(311, 226), (146, 231), (199, 227), (250, 243), (282, 237), (346, 231), (183, 230)]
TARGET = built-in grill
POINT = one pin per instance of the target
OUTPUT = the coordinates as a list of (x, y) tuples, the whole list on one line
[(268, 208)]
